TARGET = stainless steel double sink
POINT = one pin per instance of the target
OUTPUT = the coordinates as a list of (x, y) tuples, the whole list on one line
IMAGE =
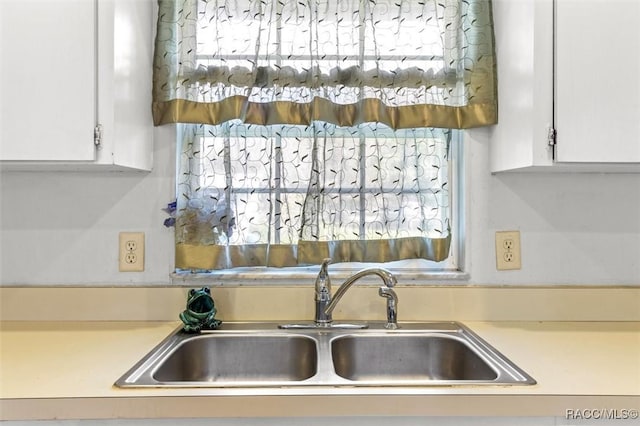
[(262, 355)]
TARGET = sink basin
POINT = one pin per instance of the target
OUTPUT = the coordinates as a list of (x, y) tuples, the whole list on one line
[(261, 355), (244, 358), (407, 358)]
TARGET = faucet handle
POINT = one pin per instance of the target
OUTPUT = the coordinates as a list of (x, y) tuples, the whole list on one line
[(323, 282)]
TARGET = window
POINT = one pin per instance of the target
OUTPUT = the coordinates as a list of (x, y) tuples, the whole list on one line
[(320, 128), (376, 181)]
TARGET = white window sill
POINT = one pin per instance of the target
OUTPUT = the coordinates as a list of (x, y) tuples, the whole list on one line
[(307, 276)]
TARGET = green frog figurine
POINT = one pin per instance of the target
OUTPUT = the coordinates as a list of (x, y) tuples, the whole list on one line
[(200, 313)]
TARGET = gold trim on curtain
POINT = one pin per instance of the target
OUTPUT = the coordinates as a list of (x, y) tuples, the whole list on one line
[(210, 257), (284, 112), (374, 251)]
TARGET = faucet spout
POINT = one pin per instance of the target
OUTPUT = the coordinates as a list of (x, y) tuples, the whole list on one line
[(386, 276)]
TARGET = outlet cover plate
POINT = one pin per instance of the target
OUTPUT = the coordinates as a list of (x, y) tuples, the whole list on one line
[(508, 250), (131, 252)]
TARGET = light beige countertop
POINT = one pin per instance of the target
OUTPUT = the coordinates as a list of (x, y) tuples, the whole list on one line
[(66, 370)]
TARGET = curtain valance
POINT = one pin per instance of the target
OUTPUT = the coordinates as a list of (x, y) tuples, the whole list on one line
[(403, 63)]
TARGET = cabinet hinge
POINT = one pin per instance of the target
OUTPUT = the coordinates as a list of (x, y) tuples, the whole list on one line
[(97, 135), (551, 136)]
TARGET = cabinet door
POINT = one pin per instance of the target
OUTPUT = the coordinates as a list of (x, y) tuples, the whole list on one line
[(47, 80), (524, 46), (597, 107)]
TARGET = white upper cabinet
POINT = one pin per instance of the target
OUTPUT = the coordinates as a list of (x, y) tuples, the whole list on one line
[(597, 107), (569, 93), (48, 77), (69, 67)]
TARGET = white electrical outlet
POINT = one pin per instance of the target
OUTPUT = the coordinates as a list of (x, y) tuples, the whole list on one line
[(508, 250), (131, 251)]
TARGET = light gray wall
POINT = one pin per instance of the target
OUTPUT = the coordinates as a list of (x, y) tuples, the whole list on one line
[(62, 227), (576, 228)]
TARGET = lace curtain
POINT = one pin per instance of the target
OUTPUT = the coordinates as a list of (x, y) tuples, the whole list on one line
[(318, 128)]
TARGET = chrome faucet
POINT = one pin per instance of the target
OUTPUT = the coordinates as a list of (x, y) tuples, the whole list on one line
[(325, 303)]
